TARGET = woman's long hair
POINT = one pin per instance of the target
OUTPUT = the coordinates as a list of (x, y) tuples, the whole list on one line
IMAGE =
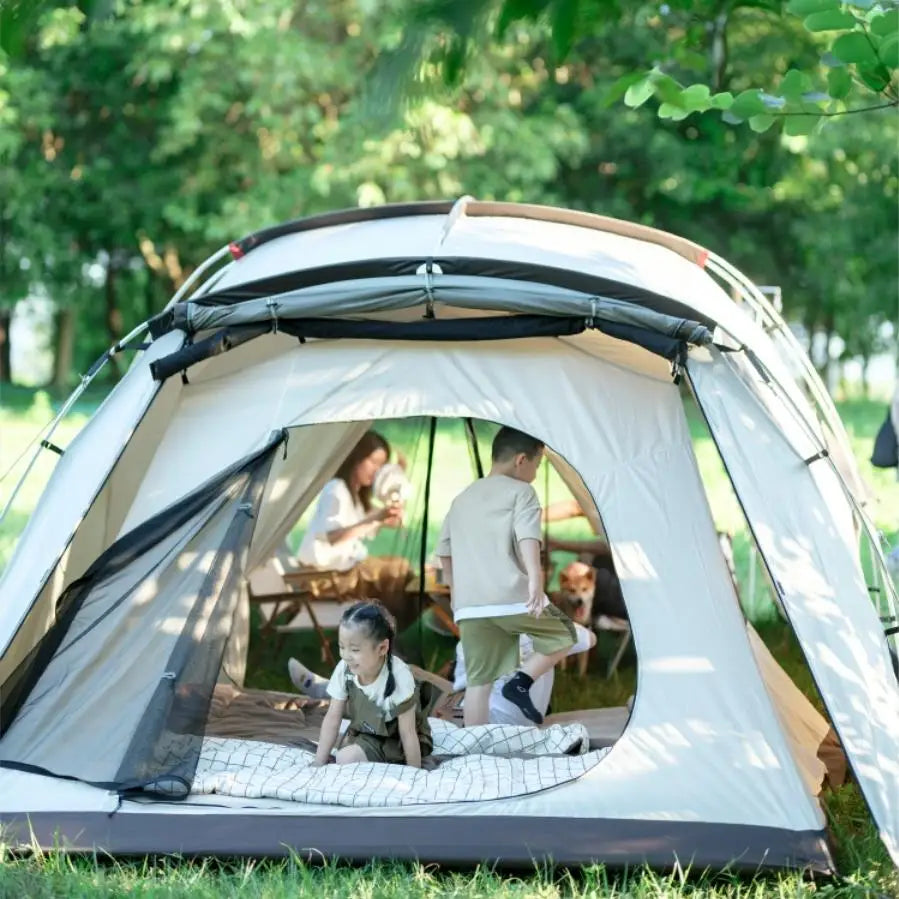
[(370, 442), (377, 624)]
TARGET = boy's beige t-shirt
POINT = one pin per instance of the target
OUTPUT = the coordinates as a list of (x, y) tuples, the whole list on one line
[(480, 534)]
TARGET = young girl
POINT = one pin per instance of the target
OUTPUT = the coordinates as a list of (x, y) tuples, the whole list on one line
[(376, 691)]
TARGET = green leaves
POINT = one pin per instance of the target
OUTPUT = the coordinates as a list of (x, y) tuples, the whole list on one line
[(761, 123), (889, 51), (829, 20), (639, 92), (747, 104), (811, 7), (799, 125), (564, 19), (854, 47), (696, 97), (619, 88), (794, 84), (839, 83), (886, 25)]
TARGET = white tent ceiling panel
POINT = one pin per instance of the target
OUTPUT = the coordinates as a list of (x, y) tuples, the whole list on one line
[(820, 582), (567, 246), (381, 239)]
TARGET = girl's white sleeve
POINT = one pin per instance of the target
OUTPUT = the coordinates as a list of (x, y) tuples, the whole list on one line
[(337, 684), (405, 682)]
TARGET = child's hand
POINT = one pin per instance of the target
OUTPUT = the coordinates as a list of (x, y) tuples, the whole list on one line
[(536, 601)]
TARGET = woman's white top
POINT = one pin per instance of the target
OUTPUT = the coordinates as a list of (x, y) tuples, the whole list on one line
[(336, 508)]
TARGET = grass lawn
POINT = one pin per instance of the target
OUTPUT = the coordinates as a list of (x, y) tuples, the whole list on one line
[(865, 868)]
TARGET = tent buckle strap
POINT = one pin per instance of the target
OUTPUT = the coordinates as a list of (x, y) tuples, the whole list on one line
[(822, 454), (678, 364), (246, 507), (272, 305), (46, 444), (429, 269), (168, 675), (592, 315)]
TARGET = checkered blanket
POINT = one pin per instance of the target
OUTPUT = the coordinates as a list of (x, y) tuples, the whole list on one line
[(488, 762)]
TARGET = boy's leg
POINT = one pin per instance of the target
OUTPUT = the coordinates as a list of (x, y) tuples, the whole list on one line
[(537, 664), (477, 705), (553, 635), (490, 652)]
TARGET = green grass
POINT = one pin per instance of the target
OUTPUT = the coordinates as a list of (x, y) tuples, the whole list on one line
[(865, 868), (59, 875)]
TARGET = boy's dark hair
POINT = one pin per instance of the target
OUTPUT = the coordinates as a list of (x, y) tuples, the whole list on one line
[(509, 442), (377, 624)]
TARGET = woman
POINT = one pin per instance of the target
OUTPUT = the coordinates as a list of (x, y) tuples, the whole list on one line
[(344, 519)]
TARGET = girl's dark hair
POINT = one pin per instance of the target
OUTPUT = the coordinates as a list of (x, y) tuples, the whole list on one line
[(377, 625), (370, 442)]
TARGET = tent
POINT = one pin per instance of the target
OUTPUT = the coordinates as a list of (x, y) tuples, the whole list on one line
[(125, 599)]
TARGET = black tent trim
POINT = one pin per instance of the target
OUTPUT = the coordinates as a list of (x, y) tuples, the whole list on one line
[(340, 217), (509, 840), (501, 269), (512, 327)]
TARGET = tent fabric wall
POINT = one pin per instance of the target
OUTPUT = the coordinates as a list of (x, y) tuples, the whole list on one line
[(717, 727), (79, 476), (311, 456), (815, 569)]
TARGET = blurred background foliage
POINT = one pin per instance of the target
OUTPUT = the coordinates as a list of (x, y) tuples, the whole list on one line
[(138, 137)]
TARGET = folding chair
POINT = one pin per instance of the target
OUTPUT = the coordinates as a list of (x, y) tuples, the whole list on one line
[(620, 626), (294, 599)]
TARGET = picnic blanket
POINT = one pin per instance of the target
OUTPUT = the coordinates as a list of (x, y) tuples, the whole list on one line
[(491, 761)]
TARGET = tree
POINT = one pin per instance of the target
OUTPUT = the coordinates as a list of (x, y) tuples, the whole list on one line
[(848, 63)]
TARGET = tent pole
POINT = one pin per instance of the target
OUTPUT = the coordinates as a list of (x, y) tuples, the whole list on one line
[(473, 445), (423, 550)]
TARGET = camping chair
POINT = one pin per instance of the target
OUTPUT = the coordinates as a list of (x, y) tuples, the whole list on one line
[(619, 626), (295, 599)]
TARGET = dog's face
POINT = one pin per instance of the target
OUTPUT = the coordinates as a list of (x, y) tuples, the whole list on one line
[(577, 584)]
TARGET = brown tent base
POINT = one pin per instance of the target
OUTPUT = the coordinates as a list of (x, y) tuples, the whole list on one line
[(507, 842)]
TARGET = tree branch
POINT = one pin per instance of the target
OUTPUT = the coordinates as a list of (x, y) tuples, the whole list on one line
[(842, 112)]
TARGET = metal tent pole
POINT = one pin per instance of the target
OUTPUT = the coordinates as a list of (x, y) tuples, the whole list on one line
[(423, 550)]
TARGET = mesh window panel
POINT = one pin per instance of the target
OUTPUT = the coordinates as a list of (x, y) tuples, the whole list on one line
[(164, 750)]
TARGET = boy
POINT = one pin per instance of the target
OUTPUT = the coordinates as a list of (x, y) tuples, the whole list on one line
[(489, 550)]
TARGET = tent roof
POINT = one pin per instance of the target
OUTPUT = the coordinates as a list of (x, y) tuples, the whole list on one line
[(594, 254)]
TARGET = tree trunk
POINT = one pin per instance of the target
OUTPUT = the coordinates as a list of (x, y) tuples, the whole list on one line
[(810, 323), (63, 347), (5, 345), (113, 317), (827, 368), (866, 385)]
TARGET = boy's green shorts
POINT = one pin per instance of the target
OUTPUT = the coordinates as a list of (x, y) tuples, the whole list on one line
[(491, 645)]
